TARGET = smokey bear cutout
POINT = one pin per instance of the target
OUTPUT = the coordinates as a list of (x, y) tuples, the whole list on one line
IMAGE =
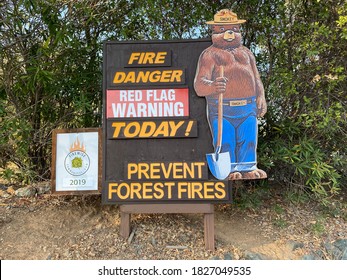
[(228, 78)]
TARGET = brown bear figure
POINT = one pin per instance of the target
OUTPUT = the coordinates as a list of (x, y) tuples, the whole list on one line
[(228, 68)]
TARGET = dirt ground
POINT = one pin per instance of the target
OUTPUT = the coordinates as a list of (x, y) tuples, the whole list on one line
[(79, 227)]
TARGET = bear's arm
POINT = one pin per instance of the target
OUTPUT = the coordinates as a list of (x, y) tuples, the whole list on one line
[(203, 82), (261, 102)]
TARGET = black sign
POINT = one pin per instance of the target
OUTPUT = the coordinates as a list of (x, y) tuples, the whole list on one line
[(156, 135)]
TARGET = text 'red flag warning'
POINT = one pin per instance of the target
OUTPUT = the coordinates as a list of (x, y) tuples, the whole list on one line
[(142, 103)]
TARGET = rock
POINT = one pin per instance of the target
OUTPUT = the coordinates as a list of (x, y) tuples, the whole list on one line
[(43, 187), (309, 257), (254, 256), (337, 250), (228, 256), (344, 255), (26, 191), (215, 258), (295, 245), (341, 244), (332, 251), (154, 243), (11, 190), (4, 194), (313, 256)]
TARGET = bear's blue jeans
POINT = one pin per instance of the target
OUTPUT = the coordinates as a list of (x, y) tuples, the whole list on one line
[(240, 131)]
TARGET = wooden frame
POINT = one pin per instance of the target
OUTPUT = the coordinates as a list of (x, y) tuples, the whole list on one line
[(54, 161)]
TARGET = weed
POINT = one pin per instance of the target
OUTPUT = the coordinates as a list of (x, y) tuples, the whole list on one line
[(7, 174), (278, 209), (336, 209), (280, 223), (318, 227), (251, 197), (297, 196)]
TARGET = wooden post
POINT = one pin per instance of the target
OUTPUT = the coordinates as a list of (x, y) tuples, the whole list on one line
[(209, 231), (206, 209), (124, 224)]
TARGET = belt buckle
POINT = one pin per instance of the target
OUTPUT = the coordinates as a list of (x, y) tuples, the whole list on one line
[(233, 103)]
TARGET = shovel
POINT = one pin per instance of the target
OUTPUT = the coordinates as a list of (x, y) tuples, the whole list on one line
[(219, 163)]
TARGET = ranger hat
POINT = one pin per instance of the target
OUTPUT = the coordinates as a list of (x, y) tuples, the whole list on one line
[(225, 16)]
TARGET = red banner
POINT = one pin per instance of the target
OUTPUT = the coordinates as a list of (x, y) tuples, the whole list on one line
[(146, 103)]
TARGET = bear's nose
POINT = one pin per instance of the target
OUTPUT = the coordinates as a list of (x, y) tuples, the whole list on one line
[(229, 35)]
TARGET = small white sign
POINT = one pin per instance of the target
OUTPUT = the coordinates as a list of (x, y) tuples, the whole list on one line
[(77, 158)]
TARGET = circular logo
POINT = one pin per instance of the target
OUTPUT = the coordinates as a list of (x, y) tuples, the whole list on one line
[(77, 163)]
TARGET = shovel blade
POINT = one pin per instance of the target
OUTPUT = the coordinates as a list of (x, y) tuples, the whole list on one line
[(219, 165)]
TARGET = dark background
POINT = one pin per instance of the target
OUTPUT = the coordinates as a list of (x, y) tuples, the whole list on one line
[(185, 55)]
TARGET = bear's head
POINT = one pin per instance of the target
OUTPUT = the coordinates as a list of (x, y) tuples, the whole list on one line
[(226, 36)]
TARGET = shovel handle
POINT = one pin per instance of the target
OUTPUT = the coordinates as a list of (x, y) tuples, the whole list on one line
[(220, 114)]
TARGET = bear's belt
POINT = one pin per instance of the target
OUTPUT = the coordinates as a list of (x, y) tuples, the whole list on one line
[(233, 103)]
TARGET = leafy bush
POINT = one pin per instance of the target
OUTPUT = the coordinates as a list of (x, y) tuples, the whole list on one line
[(302, 140)]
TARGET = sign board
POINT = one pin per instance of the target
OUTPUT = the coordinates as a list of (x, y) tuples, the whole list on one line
[(155, 131), (76, 161)]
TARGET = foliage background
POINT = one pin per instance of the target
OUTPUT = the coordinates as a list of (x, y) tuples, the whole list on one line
[(51, 77)]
